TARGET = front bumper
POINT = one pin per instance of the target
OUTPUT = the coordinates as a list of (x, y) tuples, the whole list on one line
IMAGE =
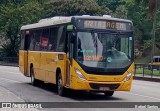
[(78, 84)]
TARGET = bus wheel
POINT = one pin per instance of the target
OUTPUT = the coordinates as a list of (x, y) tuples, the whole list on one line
[(33, 80), (61, 89), (109, 93)]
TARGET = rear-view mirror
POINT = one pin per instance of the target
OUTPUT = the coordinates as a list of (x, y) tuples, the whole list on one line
[(72, 39)]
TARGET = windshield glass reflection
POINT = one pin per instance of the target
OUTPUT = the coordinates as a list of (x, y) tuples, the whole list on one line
[(104, 50)]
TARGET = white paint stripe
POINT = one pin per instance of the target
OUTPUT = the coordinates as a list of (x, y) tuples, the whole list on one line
[(140, 86), (147, 84), (10, 72), (2, 83), (142, 96), (10, 80), (5, 89), (8, 68)]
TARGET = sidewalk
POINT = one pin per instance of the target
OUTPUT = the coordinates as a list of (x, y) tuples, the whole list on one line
[(147, 77)]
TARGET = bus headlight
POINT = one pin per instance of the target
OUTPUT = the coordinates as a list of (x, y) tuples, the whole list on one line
[(79, 74), (127, 77)]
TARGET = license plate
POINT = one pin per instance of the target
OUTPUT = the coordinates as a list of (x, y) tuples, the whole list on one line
[(104, 88)]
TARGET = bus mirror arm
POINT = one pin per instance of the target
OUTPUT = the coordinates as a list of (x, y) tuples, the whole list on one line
[(71, 53), (72, 39), (70, 61)]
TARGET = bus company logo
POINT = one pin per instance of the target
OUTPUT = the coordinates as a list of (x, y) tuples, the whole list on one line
[(6, 105), (21, 105)]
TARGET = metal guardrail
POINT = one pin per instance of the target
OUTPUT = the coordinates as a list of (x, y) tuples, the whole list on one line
[(10, 61), (147, 70)]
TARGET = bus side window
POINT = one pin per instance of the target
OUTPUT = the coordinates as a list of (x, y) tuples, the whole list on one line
[(44, 39), (32, 42), (53, 39), (61, 39), (37, 40), (22, 40)]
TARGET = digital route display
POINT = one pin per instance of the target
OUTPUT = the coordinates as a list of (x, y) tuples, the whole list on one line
[(104, 24)]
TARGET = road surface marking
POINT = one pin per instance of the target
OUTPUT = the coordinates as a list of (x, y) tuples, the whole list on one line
[(143, 96), (143, 85), (10, 72), (9, 67), (10, 80)]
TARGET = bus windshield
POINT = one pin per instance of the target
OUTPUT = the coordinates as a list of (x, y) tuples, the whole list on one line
[(104, 50)]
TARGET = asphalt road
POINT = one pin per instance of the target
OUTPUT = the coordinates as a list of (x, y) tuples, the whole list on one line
[(14, 87)]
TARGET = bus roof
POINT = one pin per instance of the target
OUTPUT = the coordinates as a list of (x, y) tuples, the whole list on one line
[(61, 20), (47, 22)]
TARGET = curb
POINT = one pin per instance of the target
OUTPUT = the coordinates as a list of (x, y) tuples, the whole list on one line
[(146, 79)]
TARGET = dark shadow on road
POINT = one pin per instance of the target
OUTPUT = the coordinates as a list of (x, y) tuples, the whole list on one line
[(77, 95)]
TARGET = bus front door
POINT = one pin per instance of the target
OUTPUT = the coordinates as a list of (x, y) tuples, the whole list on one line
[(69, 58), (26, 48)]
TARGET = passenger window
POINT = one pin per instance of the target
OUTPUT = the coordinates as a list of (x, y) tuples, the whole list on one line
[(22, 40), (32, 42), (61, 39), (53, 39), (44, 39), (37, 40)]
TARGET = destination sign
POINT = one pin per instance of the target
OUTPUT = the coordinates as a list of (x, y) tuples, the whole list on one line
[(99, 24)]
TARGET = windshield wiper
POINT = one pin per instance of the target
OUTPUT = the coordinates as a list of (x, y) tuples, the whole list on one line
[(117, 36), (94, 38)]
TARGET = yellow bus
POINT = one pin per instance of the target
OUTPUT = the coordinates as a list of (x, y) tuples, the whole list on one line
[(93, 53)]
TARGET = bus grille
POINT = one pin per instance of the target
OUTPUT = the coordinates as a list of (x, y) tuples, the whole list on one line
[(110, 86)]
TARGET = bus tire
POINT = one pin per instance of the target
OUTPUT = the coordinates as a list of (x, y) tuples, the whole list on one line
[(109, 93), (60, 87), (33, 80)]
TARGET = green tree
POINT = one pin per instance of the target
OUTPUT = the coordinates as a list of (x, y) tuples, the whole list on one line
[(137, 12), (121, 12), (141, 13), (12, 17), (73, 7), (111, 4), (154, 12)]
